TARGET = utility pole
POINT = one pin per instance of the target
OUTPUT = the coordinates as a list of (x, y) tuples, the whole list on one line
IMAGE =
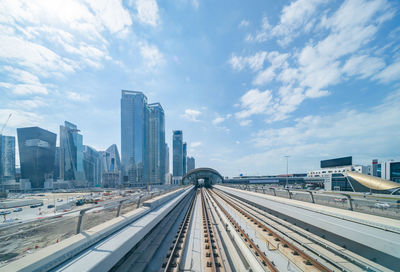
[(287, 170)]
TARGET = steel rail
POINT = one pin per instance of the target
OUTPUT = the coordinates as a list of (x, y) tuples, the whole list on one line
[(264, 260), (357, 262), (303, 254), (170, 264), (209, 238)]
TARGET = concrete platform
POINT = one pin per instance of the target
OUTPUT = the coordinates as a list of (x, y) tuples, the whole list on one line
[(378, 233)]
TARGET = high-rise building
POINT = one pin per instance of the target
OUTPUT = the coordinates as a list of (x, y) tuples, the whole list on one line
[(177, 156), (156, 144), (111, 167), (166, 158), (36, 154), (134, 138), (184, 158), (56, 174), (191, 164), (71, 154), (7, 158), (92, 166)]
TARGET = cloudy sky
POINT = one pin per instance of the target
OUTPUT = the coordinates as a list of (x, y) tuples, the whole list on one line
[(247, 81)]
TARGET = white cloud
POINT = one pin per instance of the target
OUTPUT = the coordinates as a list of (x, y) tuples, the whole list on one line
[(195, 4), (364, 66), (295, 17), (218, 120), (151, 55), (195, 144), (112, 14), (191, 114), (339, 54), (21, 118), (244, 23), (254, 102), (147, 12), (33, 103), (23, 82), (263, 34), (314, 137), (277, 61), (390, 73), (245, 123), (77, 97)]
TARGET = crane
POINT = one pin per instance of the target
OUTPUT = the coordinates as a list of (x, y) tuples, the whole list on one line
[(5, 124)]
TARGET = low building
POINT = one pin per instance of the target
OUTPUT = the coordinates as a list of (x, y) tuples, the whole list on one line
[(334, 171)]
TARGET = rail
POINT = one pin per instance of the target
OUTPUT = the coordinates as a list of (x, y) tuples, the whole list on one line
[(173, 256), (264, 260)]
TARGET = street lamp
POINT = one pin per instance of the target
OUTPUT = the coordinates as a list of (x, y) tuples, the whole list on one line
[(287, 170)]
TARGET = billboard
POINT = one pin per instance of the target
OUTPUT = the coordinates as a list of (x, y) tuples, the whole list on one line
[(345, 161)]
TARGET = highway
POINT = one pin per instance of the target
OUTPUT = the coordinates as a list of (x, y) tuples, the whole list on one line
[(226, 229)]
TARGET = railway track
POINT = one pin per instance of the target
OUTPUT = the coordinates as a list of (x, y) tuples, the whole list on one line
[(307, 251)]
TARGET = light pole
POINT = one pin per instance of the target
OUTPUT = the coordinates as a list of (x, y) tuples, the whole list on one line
[(287, 170)]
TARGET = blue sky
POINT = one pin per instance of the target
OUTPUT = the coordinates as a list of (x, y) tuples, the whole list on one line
[(247, 81)]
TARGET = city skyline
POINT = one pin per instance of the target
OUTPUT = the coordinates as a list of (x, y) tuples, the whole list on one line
[(265, 83)]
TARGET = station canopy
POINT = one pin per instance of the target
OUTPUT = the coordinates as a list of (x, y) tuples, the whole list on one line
[(208, 175)]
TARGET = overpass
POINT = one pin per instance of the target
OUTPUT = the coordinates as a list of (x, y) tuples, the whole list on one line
[(222, 228)]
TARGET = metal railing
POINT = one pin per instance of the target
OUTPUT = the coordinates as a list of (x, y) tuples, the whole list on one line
[(343, 200), (23, 238)]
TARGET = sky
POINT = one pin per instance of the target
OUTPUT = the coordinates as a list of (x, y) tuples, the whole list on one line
[(248, 82)]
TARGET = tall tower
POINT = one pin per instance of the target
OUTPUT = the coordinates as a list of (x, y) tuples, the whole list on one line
[(71, 154), (156, 144), (37, 149), (7, 157), (177, 146), (184, 158), (134, 138)]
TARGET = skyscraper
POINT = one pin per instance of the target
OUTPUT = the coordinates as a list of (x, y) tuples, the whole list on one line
[(184, 158), (71, 154), (190, 163), (156, 144), (7, 157), (92, 166), (166, 158), (36, 154), (111, 167), (134, 138), (177, 146)]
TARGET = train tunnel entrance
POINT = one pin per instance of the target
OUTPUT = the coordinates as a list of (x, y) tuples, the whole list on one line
[(202, 177)]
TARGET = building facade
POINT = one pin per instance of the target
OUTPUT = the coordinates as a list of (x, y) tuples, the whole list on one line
[(389, 170), (191, 164), (92, 166), (177, 156), (134, 138), (184, 158), (333, 172), (156, 144), (111, 167), (71, 155), (36, 154), (166, 163), (7, 158)]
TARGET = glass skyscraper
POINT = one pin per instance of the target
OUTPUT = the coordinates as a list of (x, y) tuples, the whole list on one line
[(184, 158), (166, 158), (92, 166), (177, 157), (36, 154), (7, 158), (134, 138), (190, 163), (156, 144), (71, 154)]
